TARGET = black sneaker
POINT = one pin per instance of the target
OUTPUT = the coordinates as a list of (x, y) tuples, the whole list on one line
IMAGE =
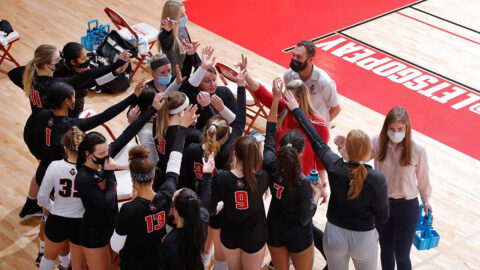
[(270, 265), (30, 210), (39, 258), (64, 268)]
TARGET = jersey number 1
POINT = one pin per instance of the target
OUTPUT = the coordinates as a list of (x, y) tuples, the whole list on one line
[(241, 200), (159, 217)]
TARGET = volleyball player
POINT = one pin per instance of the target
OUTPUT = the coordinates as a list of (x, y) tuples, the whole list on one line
[(141, 223), (34, 79), (292, 206), (96, 186), (358, 199), (66, 212)]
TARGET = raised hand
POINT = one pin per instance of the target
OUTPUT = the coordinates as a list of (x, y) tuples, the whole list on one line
[(125, 56), (209, 165), (140, 87), (189, 116), (208, 60), (340, 141), (242, 65), (217, 103), (290, 101), (168, 24), (203, 98), (241, 77), (277, 87), (192, 47), (133, 114), (158, 101), (179, 79)]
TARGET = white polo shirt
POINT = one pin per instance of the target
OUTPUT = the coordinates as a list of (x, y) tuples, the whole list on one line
[(323, 90)]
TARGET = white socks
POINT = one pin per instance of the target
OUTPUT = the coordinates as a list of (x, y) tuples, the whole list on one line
[(65, 260), (220, 265), (42, 246), (46, 264)]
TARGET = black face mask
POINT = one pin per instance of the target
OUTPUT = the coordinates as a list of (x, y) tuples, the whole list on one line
[(84, 64), (52, 69), (99, 161), (297, 66)]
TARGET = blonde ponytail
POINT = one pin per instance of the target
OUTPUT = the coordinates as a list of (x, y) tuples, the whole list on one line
[(42, 56), (173, 100), (213, 133), (72, 139)]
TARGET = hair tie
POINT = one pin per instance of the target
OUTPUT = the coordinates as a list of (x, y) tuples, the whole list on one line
[(142, 177), (215, 125), (159, 62), (289, 145), (361, 162)]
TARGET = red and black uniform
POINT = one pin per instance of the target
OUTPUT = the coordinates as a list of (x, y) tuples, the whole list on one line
[(291, 210), (143, 221), (50, 129), (39, 89), (243, 223), (97, 190)]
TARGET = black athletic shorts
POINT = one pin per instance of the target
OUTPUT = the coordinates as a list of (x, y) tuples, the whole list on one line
[(294, 237), (59, 229), (250, 240), (215, 221), (29, 137), (94, 237)]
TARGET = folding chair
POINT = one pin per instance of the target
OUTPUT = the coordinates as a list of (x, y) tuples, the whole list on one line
[(252, 101), (11, 38), (149, 32)]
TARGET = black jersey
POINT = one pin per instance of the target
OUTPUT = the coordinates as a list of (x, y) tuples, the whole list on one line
[(50, 128), (40, 84), (360, 214), (172, 251), (243, 223), (192, 164), (291, 210)]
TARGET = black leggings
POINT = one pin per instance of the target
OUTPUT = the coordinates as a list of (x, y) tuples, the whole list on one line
[(396, 235), (318, 240)]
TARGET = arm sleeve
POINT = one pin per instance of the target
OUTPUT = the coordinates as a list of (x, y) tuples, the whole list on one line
[(188, 65), (86, 124), (146, 139), (166, 40), (105, 78), (229, 100), (174, 164), (174, 86), (269, 147), (423, 177), (381, 209), (43, 195), (266, 98), (197, 77), (130, 132), (121, 230), (238, 126), (117, 241), (321, 149), (87, 78), (227, 114), (206, 190)]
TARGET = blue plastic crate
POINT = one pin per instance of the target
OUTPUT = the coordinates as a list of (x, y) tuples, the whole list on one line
[(425, 236)]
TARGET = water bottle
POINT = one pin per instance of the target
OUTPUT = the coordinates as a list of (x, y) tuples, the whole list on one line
[(313, 176)]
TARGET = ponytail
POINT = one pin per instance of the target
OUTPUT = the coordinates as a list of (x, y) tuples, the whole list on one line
[(173, 100), (213, 133), (358, 149), (288, 167), (358, 174), (42, 56), (188, 205), (71, 140)]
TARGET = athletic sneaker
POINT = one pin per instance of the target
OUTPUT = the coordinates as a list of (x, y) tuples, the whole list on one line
[(30, 210), (39, 258), (63, 268)]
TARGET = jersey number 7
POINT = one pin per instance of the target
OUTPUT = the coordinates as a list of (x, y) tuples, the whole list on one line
[(159, 217), (241, 200)]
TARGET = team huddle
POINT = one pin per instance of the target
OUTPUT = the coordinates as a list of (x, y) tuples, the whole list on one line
[(200, 183)]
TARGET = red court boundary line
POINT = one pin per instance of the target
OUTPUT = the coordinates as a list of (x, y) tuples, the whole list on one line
[(438, 28)]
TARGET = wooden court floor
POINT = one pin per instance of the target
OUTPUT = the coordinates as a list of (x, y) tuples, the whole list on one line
[(454, 175)]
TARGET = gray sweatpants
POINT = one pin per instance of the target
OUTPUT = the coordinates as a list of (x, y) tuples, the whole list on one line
[(340, 244)]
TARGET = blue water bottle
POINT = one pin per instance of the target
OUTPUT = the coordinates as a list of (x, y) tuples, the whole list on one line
[(313, 176)]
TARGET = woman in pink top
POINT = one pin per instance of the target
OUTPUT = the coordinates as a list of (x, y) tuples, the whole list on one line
[(404, 163)]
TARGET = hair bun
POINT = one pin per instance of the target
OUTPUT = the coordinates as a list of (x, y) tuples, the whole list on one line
[(138, 152)]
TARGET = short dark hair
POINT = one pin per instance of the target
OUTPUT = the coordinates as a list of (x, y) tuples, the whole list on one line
[(309, 46)]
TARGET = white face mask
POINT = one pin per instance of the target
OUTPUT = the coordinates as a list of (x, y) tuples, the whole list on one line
[(396, 137)]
